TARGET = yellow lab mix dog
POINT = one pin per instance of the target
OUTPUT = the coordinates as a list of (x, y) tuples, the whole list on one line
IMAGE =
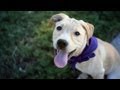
[(73, 39)]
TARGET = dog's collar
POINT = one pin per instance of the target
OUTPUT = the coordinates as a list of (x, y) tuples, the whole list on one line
[(87, 53)]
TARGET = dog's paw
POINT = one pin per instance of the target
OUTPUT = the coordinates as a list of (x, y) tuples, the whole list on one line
[(83, 76)]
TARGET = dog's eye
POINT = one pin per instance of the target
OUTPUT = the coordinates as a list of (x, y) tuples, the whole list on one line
[(59, 28), (77, 33)]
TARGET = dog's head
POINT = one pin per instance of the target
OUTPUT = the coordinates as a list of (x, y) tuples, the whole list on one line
[(70, 37)]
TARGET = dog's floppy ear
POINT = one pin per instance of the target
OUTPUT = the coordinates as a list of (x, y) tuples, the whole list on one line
[(89, 29), (58, 17)]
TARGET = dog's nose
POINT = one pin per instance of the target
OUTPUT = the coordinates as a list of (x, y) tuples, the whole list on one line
[(62, 43)]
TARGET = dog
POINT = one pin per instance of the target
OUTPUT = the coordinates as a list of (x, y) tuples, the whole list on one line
[(74, 42)]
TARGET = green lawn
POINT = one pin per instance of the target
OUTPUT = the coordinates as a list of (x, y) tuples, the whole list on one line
[(26, 49)]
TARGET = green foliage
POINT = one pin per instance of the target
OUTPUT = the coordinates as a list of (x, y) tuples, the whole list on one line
[(26, 49)]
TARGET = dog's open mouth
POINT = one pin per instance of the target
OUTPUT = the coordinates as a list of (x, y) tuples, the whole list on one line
[(71, 52), (61, 58)]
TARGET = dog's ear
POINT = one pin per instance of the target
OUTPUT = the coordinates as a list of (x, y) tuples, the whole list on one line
[(57, 17), (89, 29)]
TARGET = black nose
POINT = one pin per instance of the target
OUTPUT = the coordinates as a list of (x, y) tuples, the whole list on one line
[(62, 43)]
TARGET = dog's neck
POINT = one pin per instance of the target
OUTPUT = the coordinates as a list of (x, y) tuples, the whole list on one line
[(86, 54)]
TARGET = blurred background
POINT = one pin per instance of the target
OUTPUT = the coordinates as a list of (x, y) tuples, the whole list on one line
[(26, 50)]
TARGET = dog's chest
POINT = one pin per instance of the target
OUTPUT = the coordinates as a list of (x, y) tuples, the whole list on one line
[(86, 67)]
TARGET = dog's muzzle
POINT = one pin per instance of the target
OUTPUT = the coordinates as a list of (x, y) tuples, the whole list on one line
[(61, 44)]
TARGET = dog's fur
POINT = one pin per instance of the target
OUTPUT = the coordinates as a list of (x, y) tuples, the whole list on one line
[(107, 59)]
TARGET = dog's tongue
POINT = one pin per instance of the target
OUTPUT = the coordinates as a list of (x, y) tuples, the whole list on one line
[(61, 59)]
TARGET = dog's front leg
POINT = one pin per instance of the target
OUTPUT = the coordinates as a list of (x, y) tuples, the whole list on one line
[(83, 76), (98, 76)]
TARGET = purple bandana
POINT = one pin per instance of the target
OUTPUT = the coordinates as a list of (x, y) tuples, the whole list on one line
[(87, 53)]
